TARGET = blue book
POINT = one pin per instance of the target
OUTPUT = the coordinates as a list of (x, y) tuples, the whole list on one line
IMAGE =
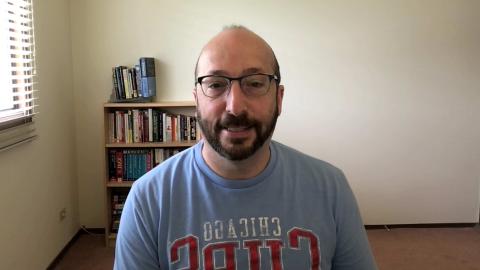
[(147, 74)]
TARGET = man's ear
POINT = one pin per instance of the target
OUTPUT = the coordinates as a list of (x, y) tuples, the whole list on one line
[(279, 97), (194, 92)]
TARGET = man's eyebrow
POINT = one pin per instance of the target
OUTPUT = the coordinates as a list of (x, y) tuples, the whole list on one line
[(218, 72), (252, 70)]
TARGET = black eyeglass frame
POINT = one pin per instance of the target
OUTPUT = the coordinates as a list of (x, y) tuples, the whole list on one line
[(239, 79)]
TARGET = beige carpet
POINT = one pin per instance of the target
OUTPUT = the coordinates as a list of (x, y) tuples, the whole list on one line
[(397, 249), (426, 248)]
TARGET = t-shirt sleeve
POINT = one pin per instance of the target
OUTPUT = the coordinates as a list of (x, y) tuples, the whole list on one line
[(136, 244), (352, 251)]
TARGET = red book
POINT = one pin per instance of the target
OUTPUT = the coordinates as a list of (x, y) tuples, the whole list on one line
[(119, 163)]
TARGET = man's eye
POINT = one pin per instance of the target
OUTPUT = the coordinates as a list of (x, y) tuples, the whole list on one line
[(216, 85), (255, 84)]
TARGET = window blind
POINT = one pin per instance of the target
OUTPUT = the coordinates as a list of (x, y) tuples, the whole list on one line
[(17, 73)]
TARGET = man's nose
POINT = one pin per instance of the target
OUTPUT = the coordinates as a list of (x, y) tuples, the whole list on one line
[(235, 99)]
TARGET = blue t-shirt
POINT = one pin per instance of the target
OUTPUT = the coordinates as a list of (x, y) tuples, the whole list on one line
[(298, 213)]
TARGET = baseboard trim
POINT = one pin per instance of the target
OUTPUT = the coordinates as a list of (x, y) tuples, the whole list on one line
[(64, 250), (86, 230), (423, 225)]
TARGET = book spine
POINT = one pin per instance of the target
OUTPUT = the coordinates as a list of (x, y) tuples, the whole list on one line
[(131, 82), (161, 121), (155, 125), (128, 93), (161, 155), (111, 127), (168, 128), (138, 80), (193, 128), (133, 165), (126, 166), (184, 128), (136, 128), (145, 126), (178, 126), (118, 121), (189, 135), (149, 160), (121, 87), (174, 128), (123, 126), (112, 170), (150, 125), (128, 126), (115, 84), (147, 69), (119, 165)]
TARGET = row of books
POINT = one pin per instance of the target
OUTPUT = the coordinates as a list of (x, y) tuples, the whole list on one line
[(131, 164), (134, 83), (118, 201), (150, 125)]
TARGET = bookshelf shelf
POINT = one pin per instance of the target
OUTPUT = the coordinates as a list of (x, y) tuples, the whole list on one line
[(125, 160), (166, 104), (150, 145), (113, 184)]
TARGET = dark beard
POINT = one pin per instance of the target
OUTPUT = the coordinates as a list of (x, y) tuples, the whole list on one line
[(237, 152)]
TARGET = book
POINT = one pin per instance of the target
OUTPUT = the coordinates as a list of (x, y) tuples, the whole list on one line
[(145, 126), (112, 173), (193, 128), (161, 138), (118, 199), (134, 84), (116, 90), (126, 85), (164, 125), (147, 75), (119, 79), (155, 128), (119, 165), (150, 125), (168, 128), (138, 80)]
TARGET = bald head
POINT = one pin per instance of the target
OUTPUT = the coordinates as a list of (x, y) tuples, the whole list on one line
[(225, 53)]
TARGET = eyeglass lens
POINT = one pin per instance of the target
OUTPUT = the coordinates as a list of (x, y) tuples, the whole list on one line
[(254, 85)]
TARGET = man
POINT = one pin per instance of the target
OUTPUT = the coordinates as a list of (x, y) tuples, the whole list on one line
[(238, 200)]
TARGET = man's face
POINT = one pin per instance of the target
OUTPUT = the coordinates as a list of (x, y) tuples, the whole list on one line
[(236, 125)]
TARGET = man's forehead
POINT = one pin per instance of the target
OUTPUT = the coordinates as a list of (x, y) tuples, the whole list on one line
[(234, 64), (239, 49)]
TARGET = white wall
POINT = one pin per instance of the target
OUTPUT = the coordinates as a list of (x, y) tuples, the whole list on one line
[(386, 90), (38, 179)]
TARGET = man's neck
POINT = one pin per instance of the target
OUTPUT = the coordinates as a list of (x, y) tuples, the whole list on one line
[(237, 170)]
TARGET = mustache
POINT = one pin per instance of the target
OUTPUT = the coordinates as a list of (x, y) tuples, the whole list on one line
[(229, 120)]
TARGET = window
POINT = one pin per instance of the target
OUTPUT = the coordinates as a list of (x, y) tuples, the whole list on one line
[(17, 71)]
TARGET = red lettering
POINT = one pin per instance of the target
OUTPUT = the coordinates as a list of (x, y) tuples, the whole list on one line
[(276, 253), (192, 243), (253, 253), (227, 250), (229, 255), (294, 236)]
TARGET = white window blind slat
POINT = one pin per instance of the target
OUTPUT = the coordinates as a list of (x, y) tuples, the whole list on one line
[(17, 72)]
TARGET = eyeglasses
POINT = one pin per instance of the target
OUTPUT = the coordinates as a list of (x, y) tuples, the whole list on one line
[(255, 85)]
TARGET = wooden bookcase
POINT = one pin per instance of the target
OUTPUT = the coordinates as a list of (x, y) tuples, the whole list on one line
[(117, 187)]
